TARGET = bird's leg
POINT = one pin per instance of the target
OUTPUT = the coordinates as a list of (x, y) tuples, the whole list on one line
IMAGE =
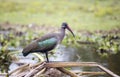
[(46, 53)]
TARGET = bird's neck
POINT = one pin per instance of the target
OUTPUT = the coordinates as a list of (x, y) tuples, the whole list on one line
[(62, 34)]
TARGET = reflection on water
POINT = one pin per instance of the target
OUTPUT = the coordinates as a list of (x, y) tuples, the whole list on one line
[(86, 53), (64, 54), (82, 53), (114, 63)]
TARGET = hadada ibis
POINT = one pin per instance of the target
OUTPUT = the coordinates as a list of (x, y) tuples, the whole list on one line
[(47, 42)]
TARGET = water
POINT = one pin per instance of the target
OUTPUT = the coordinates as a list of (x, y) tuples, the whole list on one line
[(86, 53), (82, 53)]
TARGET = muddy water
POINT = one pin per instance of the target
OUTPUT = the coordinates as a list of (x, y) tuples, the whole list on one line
[(82, 53), (85, 53)]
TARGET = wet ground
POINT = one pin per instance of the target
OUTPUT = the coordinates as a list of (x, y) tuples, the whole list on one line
[(87, 54), (81, 53)]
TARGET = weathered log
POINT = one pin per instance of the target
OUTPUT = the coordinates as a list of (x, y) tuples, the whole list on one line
[(18, 69), (22, 74), (40, 72), (67, 72), (70, 64), (108, 71), (36, 70)]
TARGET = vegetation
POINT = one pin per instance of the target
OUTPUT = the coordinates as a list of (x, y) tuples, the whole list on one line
[(99, 19), (104, 45), (84, 14)]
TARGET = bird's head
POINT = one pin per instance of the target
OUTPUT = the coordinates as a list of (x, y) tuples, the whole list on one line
[(65, 26)]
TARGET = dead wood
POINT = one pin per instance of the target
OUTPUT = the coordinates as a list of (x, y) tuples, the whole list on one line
[(108, 71), (70, 64), (36, 70), (40, 72), (67, 72), (18, 69), (56, 69)]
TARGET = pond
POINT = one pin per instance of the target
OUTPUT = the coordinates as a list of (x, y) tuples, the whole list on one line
[(82, 53), (86, 53)]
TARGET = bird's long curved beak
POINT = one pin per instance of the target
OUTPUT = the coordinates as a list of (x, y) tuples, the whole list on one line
[(70, 31)]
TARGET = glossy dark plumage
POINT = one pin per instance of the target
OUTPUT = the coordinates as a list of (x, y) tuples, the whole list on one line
[(36, 47), (46, 42)]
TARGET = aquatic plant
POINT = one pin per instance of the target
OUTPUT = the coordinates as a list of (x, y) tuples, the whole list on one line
[(104, 44)]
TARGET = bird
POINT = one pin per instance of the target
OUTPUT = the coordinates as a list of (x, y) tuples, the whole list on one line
[(47, 42)]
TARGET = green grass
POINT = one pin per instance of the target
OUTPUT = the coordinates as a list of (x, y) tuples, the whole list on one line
[(80, 14)]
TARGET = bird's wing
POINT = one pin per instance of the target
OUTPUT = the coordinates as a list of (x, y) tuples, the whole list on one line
[(47, 44), (42, 44), (47, 36), (28, 48)]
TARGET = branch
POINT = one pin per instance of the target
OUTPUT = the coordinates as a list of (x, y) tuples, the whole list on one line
[(67, 72), (108, 71), (70, 64), (36, 70), (40, 72), (18, 69)]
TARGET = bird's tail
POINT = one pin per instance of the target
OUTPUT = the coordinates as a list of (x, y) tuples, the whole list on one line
[(25, 52)]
